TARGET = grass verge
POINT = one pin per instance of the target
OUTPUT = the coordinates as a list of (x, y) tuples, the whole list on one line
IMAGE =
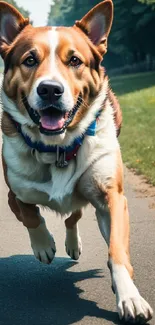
[(136, 94)]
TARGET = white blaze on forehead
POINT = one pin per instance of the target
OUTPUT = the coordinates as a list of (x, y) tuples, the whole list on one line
[(54, 73), (53, 38), (67, 98)]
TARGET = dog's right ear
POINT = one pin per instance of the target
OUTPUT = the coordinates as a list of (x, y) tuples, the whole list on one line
[(11, 23)]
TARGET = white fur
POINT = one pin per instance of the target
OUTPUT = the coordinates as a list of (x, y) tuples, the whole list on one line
[(73, 242), (53, 41), (10, 107), (42, 243), (104, 223), (129, 302)]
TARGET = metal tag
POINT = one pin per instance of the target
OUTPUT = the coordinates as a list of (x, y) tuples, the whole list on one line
[(61, 161)]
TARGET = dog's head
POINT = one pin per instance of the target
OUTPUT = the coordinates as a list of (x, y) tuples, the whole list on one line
[(53, 74)]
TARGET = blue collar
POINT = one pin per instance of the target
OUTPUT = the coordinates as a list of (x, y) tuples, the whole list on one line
[(64, 154), (41, 147)]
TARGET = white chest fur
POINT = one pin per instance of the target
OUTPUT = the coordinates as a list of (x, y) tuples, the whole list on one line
[(35, 178)]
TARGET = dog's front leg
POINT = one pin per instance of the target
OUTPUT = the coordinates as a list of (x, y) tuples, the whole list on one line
[(113, 220), (42, 242), (114, 225)]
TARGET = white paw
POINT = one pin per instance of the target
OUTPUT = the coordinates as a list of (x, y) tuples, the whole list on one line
[(135, 309), (131, 306), (73, 243), (42, 243)]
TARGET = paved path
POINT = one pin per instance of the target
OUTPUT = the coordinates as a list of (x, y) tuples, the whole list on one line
[(67, 292)]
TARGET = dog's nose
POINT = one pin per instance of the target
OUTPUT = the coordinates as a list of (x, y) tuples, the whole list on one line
[(50, 90)]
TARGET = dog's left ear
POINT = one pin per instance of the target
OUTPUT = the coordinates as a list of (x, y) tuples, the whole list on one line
[(97, 24)]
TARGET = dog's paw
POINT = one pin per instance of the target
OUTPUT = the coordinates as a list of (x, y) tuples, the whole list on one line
[(73, 243), (135, 310), (130, 305), (42, 243)]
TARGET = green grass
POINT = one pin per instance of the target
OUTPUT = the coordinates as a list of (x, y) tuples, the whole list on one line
[(136, 94)]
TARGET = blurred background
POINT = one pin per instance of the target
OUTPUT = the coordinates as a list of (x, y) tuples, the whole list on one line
[(131, 42), (130, 63)]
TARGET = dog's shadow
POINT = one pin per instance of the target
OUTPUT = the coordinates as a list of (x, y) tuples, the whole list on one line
[(35, 294)]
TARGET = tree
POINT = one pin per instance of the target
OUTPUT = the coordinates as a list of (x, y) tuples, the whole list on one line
[(65, 12), (131, 35)]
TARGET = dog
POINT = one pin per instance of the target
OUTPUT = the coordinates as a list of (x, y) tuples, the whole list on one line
[(60, 124)]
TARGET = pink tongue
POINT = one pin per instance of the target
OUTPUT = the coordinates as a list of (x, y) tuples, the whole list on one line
[(52, 123)]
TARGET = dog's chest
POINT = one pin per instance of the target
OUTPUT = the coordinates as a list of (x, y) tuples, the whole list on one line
[(37, 182)]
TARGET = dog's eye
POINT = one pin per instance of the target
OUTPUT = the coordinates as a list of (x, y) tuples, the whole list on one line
[(75, 61), (30, 61)]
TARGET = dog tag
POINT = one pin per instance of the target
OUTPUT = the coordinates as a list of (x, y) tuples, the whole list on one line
[(61, 161)]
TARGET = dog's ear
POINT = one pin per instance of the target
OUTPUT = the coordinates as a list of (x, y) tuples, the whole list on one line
[(97, 24), (11, 23)]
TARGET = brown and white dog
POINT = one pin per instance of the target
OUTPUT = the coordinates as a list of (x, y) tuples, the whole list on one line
[(60, 149)]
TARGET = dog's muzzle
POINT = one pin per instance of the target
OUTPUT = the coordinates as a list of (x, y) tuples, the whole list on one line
[(51, 120)]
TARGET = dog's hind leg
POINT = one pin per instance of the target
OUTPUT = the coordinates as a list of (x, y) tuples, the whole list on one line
[(73, 241)]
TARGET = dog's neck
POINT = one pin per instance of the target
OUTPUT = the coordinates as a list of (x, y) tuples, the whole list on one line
[(68, 150), (63, 153)]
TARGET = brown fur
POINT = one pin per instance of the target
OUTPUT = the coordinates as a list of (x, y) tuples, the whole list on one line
[(73, 219), (7, 126), (119, 229), (28, 214)]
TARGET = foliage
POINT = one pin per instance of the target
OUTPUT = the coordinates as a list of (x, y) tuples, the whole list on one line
[(131, 36), (131, 39), (136, 95), (150, 2)]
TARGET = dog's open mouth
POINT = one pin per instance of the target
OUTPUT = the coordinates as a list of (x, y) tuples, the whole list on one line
[(52, 120)]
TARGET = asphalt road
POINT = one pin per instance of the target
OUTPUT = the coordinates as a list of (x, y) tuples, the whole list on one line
[(67, 292)]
